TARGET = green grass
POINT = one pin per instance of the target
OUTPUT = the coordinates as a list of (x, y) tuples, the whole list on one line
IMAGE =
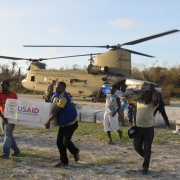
[(6, 165), (104, 161), (164, 136), (96, 131), (93, 130)]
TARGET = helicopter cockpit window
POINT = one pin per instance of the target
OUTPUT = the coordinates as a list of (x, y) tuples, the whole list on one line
[(32, 78)]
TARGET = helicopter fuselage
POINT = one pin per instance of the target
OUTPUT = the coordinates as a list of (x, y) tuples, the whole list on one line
[(79, 82), (110, 67)]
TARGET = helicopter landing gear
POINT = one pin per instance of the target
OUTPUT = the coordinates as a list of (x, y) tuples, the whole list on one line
[(94, 99)]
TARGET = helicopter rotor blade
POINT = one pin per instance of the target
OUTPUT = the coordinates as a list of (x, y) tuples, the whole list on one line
[(17, 58), (73, 56), (107, 46), (150, 37), (43, 59), (118, 46), (138, 53), (13, 58)]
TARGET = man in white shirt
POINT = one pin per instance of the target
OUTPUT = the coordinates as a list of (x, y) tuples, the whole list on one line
[(111, 114)]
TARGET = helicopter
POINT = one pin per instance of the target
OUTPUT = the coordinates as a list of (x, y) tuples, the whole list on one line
[(111, 67)]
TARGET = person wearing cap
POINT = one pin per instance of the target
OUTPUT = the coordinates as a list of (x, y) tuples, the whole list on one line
[(111, 114), (49, 91), (9, 141), (146, 106)]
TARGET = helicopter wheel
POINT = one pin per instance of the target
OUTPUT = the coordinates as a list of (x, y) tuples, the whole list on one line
[(94, 100)]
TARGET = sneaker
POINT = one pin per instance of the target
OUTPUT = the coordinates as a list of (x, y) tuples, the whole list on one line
[(15, 153), (61, 164), (5, 156), (77, 157), (144, 171)]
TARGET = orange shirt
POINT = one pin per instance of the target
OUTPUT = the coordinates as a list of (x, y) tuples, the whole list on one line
[(4, 97)]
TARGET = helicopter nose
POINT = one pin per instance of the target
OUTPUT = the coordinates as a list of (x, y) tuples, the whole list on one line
[(23, 82)]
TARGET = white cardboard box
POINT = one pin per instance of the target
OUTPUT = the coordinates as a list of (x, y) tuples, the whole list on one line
[(178, 126), (27, 112), (30, 123), (158, 119), (89, 115), (78, 115), (100, 117)]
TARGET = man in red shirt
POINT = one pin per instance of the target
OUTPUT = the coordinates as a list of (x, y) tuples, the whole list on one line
[(9, 141)]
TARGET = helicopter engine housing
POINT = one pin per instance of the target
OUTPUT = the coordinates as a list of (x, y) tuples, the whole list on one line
[(94, 70)]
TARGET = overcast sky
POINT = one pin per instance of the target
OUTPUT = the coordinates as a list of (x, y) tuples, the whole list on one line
[(88, 22)]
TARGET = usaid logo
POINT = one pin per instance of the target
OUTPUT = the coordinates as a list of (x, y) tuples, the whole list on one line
[(28, 110), (11, 108)]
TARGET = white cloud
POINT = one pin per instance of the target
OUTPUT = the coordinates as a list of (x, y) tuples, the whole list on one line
[(122, 23), (56, 29)]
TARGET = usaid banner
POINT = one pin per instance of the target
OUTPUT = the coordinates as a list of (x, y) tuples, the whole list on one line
[(27, 110)]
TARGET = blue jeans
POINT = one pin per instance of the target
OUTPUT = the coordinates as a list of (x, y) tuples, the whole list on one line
[(9, 141), (132, 113)]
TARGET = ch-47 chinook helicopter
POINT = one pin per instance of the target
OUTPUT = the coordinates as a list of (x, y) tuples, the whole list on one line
[(112, 67)]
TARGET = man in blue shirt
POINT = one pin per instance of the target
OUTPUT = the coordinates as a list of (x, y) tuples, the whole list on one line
[(66, 115)]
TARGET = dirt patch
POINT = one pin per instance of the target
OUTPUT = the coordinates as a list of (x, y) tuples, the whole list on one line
[(99, 160)]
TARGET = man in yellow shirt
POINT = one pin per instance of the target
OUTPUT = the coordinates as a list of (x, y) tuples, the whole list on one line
[(145, 126)]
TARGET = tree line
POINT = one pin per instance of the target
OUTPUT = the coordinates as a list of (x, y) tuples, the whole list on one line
[(167, 78), (14, 75)]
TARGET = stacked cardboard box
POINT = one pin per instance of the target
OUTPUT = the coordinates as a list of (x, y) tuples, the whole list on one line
[(178, 126), (89, 115), (100, 117)]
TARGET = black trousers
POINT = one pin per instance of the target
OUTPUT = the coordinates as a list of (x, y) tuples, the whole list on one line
[(163, 113), (142, 144), (64, 142)]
